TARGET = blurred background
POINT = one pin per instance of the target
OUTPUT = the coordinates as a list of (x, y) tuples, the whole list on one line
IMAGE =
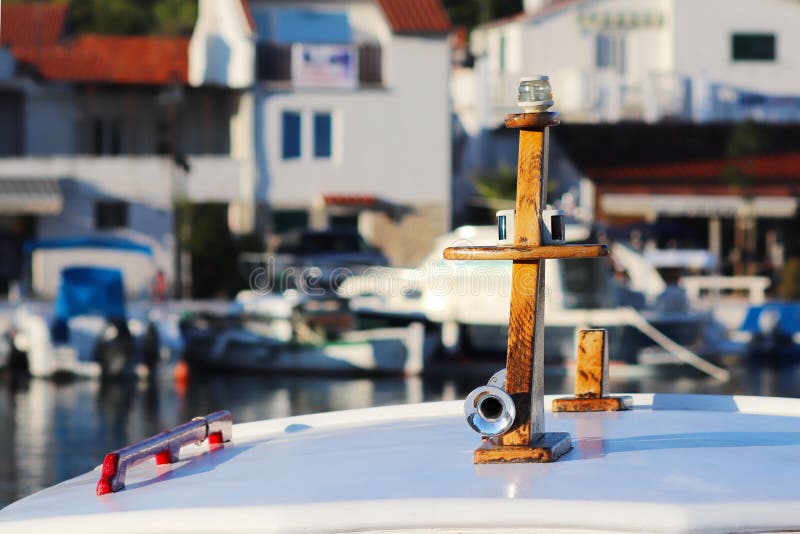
[(210, 204)]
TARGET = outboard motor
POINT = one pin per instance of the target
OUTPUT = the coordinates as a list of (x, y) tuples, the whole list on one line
[(115, 351), (150, 348)]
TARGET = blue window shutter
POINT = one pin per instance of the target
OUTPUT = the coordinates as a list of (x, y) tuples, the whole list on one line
[(291, 137), (323, 135)]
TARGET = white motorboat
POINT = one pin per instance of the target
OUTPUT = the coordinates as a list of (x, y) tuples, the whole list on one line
[(79, 321), (299, 334), (673, 464), (470, 300)]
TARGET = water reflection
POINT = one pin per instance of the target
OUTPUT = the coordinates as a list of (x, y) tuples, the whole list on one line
[(53, 431)]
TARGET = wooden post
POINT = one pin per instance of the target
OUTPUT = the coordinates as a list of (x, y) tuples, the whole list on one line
[(591, 378), (526, 439), (524, 373)]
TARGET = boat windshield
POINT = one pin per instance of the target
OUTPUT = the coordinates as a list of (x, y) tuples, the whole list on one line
[(587, 283), (322, 243)]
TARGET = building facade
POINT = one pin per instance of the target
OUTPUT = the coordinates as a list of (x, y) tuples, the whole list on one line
[(645, 60), (102, 135), (346, 120), (651, 93)]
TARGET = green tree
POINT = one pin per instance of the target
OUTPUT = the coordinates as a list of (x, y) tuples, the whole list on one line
[(748, 139), (470, 13), (498, 187), (129, 17), (175, 17), (118, 17), (790, 280)]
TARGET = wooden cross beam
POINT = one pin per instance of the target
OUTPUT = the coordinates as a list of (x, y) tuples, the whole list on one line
[(527, 440)]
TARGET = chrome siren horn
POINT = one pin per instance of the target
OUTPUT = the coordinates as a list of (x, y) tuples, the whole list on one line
[(489, 409)]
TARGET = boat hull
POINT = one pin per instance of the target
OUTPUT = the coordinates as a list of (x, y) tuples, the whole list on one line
[(627, 342), (398, 351), (675, 463)]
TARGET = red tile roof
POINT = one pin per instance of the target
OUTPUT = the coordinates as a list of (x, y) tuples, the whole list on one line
[(31, 24), (416, 16), (111, 59), (765, 167), (404, 16), (248, 15)]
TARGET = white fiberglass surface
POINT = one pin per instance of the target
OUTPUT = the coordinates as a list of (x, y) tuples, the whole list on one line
[(673, 463)]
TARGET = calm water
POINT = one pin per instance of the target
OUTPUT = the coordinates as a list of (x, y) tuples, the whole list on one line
[(53, 431)]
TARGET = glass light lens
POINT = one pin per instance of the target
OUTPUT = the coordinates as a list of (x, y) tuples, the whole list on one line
[(535, 93)]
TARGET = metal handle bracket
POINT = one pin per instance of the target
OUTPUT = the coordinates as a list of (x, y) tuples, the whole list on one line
[(165, 446)]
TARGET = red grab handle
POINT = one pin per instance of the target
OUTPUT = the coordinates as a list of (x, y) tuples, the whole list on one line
[(216, 427)]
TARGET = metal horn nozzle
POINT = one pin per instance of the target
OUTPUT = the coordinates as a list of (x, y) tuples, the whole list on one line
[(490, 411), (498, 379)]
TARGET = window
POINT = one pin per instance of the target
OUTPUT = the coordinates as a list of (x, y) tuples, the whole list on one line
[(603, 47), (585, 283), (13, 120), (610, 52), (369, 63), (291, 135), (502, 53), (323, 135), (106, 136), (274, 62), (110, 214), (285, 220), (343, 221), (754, 47)]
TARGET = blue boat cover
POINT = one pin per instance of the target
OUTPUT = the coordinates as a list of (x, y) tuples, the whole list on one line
[(90, 291), (787, 314), (108, 242)]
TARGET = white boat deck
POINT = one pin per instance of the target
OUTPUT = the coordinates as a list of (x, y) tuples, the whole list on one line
[(673, 464)]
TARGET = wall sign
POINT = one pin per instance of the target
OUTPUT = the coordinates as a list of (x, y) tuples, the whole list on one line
[(316, 65)]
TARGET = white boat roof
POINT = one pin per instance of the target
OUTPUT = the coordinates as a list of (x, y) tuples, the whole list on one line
[(673, 464)]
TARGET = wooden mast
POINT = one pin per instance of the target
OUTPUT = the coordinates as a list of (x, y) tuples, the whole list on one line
[(526, 440)]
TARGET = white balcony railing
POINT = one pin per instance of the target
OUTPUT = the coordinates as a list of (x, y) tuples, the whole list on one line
[(602, 95)]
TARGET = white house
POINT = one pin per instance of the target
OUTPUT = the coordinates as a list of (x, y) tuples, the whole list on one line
[(100, 135), (650, 60), (347, 118), (639, 61)]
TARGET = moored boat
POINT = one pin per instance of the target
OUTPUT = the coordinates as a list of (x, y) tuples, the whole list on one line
[(85, 326), (295, 334), (469, 300)]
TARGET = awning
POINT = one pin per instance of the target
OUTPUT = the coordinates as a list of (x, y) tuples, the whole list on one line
[(688, 258), (351, 201), (644, 205), (30, 196), (620, 20), (357, 202), (93, 242)]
